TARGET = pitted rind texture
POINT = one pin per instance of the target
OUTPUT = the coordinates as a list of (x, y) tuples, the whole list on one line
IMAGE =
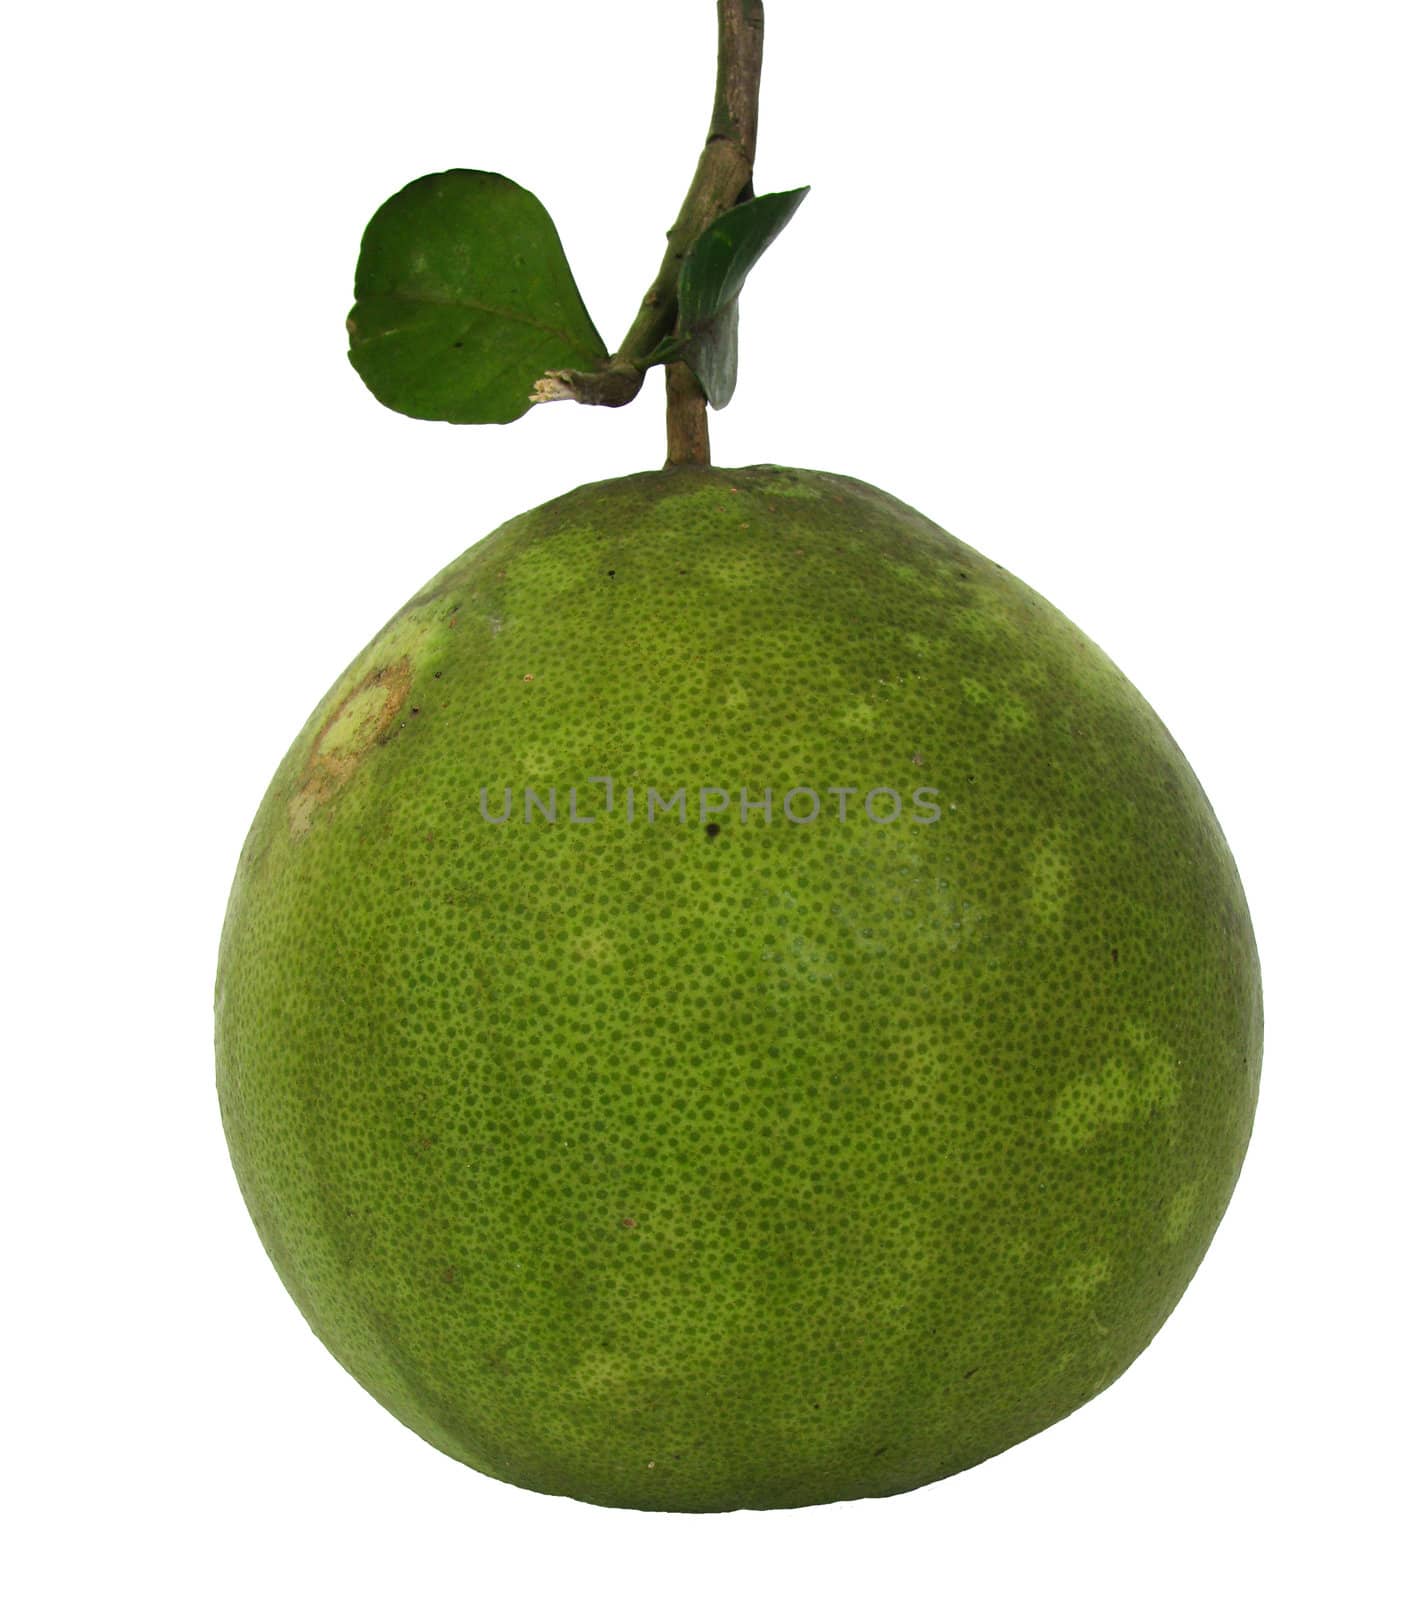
[(761, 1167)]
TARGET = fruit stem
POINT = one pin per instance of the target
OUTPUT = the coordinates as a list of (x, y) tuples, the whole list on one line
[(723, 175), (722, 180), (688, 438)]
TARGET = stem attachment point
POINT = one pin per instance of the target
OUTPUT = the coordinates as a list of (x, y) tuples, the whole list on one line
[(688, 439)]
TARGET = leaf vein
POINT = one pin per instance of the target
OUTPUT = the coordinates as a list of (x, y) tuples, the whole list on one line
[(486, 310)]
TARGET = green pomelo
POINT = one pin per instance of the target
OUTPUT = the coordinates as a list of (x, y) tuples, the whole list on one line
[(716, 1160)]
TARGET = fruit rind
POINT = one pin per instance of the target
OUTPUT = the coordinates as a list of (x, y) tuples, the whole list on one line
[(785, 1164)]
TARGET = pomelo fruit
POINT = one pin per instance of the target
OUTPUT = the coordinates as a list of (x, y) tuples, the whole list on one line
[(700, 1157)]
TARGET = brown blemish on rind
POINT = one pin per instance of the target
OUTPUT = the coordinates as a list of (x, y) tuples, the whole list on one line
[(365, 717)]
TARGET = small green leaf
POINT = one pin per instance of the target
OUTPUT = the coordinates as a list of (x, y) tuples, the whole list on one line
[(463, 299), (711, 354), (713, 271)]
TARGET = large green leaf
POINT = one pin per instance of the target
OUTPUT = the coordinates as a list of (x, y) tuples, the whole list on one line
[(463, 299), (713, 271)]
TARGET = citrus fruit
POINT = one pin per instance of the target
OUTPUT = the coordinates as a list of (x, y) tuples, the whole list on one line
[(732, 1000)]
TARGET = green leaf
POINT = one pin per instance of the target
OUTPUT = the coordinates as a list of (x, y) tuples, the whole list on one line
[(713, 271), (463, 299)]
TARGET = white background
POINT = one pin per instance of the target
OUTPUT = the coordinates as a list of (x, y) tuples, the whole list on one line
[(1119, 293)]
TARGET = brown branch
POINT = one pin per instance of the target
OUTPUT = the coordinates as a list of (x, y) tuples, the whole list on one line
[(688, 441), (722, 180)]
